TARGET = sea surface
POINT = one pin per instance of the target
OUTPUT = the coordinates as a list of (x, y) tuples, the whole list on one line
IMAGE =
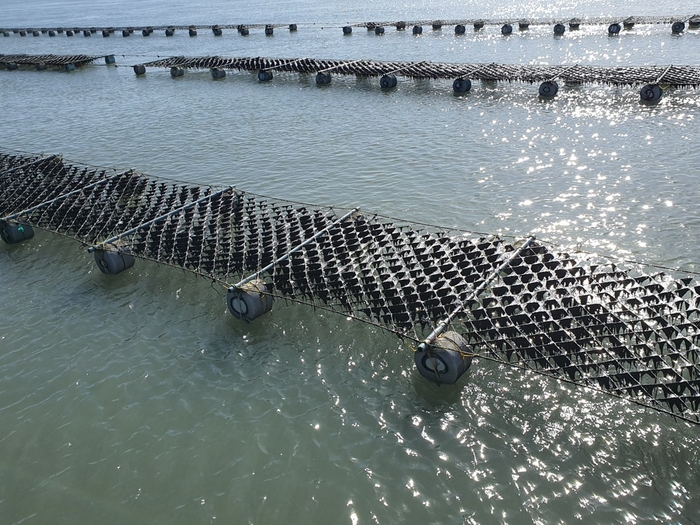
[(138, 399)]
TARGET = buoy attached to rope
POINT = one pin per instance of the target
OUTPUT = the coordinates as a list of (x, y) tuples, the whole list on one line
[(379, 30), (461, 85), (112, 263), (417, 30), (559, 29), (12, 232), (677, 28), (388, 81), (109, 59), (176, 72), (445, 361), (250, 301), (347, 30), (139, 69), (269, 30), (264, 75), (460, 29), (323, 78), (651, 93), (506, 29), (218, 73), (548, 89), (614, 29)]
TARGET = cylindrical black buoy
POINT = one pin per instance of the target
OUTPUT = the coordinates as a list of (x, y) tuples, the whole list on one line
[(51, 33), (68, 67), (445, 361), (677, 28), (614, 29), (461, 85), (559, 29), (478, 25), (126, 32), (245, 31), (93, 30), (87, 33), (176, 72), (146, 32), (139, 69), (388, 81), (12, 232), (112, 263), (347, 30), (548, 89), (401, 26), (41, 66), (250, 301), (193, 31), (651, 93), (460, 29), (523, 25), (218, 73), (109, 59), (69, 33), (169, 32), (292, 28), (22, 33), (105, 33), (437, 25), (322, 78), (11, 66), (628, 23), (269, 30), (35, 33), (216, 30), (694, 22), (264, 75), (379, 30), (574, 24), (506, 29), (417, 30), (5, 33)]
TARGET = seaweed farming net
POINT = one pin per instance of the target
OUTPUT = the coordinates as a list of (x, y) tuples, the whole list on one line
[(625, 332), (672, 75), (49, 60)]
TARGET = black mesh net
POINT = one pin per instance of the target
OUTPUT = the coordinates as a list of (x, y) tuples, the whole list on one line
[(631, 334)]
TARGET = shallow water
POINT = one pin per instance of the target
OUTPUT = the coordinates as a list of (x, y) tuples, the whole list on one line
[(139, 398)]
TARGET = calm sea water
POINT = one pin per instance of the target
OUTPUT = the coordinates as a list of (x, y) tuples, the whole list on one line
[(138, 399)]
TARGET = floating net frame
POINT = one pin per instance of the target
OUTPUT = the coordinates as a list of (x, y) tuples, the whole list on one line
[(624, 332)]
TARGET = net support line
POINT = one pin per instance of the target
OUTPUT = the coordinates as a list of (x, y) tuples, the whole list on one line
[(473, 295), (100, 246), (65, 195), (293, 250), (28, 165)]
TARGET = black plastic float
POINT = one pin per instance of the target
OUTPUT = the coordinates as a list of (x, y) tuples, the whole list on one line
[(506, 29), (614, 29), (417, 30)]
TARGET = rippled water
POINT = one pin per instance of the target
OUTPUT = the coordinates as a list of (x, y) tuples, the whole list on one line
[(138, 398)]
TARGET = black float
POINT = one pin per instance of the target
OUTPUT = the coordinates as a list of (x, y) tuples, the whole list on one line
[(218, 73), (347, 30), (559, 29), (461, 85), (13, 232), (139, 69), (614, 29), (677, 28), (506, 29), (460, 29), (323, 79), (444, 361), (388, 82), (548, 89), (417, 30), (650, 94), (264, 75), (176, 72), (379, 30), (113, 262)]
